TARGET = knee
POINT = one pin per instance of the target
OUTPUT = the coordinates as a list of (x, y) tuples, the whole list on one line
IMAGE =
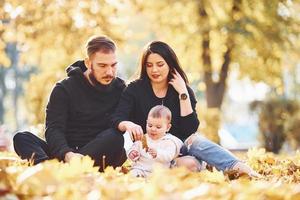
[(118, 140), (20, 137), (189, 163), (19, 140), (201, 143)]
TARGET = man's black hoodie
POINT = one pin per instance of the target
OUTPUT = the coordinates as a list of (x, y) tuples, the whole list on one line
[(77, 111)]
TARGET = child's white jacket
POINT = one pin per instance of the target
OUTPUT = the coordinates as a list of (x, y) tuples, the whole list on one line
[(167, 147)]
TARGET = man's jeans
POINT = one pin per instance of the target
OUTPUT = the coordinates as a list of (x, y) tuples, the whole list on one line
[(211, 153)]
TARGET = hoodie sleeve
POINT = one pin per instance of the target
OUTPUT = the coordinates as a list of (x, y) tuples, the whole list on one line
[(189, 124), (125, 107), (136, 146), (56, 119)]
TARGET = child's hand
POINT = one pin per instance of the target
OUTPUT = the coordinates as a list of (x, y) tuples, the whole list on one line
[(134, 155), (152, 152)]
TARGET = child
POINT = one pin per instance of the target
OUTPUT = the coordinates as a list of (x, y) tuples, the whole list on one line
[(161, 147)]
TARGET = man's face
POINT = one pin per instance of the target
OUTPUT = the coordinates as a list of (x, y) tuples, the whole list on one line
[(103, 67)]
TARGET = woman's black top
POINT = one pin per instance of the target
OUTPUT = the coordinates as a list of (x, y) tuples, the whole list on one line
[(137, 100)]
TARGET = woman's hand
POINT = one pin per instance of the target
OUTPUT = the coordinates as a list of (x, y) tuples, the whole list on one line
[(135, 131), (152, 152), (178, 83), (180, 86)]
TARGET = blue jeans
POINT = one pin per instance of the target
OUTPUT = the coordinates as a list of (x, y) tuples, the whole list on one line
[(211, 153)]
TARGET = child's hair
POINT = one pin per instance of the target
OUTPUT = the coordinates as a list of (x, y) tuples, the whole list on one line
[(160, 111)]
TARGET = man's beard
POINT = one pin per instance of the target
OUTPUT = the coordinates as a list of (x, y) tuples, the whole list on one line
[(96, 83)]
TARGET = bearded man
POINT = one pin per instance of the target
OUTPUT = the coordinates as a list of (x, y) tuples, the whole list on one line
[(78, 114)]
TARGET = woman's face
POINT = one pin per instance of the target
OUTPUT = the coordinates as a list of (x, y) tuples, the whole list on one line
[(157, 69)]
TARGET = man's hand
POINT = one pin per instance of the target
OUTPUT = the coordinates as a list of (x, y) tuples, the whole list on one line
[(152, 152), (135, 131), (134, 155), (70, 155)]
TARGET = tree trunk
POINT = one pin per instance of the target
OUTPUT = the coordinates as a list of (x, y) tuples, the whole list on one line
[(215, 90), (14, 57)]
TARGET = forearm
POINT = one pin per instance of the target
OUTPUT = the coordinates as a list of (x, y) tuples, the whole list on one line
[(189, 123), (185, 106)]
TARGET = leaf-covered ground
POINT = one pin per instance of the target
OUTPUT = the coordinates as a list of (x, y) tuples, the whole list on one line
[(80, 180)]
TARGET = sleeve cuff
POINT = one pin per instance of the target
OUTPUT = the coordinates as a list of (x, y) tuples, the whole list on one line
[(189, 124), (190, 119), (116, 124)]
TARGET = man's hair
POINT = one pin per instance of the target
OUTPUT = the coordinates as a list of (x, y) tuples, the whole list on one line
[(160, 111), (100, 43)]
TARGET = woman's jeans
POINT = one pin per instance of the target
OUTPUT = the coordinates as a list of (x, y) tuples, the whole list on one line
[(211, 153)]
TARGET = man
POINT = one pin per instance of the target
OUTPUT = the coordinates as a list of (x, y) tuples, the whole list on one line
[(79, 110)]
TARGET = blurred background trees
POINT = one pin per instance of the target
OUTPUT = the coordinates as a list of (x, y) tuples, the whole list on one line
[(253, 39), (216, 37), (278, 121), (48, 36)]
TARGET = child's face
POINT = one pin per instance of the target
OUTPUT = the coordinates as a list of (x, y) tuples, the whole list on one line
[(157, 127)]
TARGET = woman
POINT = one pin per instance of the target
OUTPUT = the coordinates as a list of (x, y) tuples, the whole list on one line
[(162, 81)]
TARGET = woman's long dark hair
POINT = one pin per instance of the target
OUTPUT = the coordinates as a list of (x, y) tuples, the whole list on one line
[(167, 53)]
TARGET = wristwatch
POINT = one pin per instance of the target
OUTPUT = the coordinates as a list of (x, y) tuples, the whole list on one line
[(183, 96)]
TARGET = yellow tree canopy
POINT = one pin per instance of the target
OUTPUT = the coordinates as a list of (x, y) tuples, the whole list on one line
[(51, 34), (258, 34)]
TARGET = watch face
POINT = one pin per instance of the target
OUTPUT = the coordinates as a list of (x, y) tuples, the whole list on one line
[(183, 96)]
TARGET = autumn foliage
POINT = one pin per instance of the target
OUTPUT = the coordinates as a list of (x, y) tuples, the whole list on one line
[(80, 180)]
